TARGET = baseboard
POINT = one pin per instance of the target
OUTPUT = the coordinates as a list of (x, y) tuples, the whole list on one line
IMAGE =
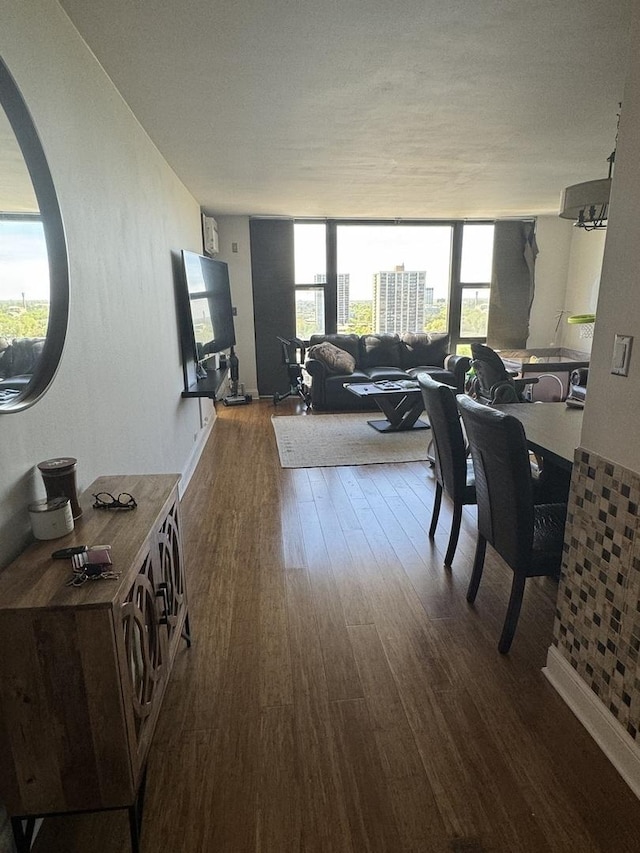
[(619, 747), (194, 456)]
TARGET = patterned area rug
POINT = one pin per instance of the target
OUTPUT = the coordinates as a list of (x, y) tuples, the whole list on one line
[(321, 441)]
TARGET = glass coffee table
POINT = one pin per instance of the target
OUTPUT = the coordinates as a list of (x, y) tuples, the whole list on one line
[(400, 401)]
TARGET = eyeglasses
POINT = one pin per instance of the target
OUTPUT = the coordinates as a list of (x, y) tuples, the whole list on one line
[(105, 500)]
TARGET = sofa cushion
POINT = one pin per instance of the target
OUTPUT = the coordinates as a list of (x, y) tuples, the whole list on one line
[(418, 348), (335, 359), (379, 351), (380, 374), (21, 357), (349, 343), (438, 374)]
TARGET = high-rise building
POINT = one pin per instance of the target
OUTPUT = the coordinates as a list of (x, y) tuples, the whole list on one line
[(343, 295), (398, 300)]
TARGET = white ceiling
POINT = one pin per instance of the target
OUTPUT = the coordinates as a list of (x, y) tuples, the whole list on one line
[(370, 108)]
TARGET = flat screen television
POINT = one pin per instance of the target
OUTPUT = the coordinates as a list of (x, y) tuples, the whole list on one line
[(207, 284)]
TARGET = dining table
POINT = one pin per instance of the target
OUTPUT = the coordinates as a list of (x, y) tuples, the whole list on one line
[(552, 430)]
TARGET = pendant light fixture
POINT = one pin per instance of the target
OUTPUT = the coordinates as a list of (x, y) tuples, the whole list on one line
[(587, 204)]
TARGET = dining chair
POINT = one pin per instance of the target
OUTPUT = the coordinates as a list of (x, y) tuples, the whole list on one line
[(452, 464), (528, 536), (493, 382)]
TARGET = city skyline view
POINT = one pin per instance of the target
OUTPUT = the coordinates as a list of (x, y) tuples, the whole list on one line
[(378, 292), (366, 250)]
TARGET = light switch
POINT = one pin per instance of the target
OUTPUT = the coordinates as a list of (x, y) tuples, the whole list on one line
[(621, 355)]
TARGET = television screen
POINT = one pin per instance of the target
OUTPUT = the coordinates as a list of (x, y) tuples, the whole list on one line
[(209, 292)]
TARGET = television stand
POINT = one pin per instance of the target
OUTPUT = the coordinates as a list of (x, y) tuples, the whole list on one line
[(209, 386)]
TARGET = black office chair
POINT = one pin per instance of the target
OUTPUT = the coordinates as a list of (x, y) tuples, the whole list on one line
[(492, 382), (293, 352), (453, 466), (529, 537)]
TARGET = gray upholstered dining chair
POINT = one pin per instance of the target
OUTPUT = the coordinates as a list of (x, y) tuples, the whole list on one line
[(493, 383), (528, 536), (452, 465)]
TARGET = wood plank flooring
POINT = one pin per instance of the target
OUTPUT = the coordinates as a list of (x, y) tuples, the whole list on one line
[(340, 695)]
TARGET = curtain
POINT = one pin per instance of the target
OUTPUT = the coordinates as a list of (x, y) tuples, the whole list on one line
[(512, 284), (274, 307)]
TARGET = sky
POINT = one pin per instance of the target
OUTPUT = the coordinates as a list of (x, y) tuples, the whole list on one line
[(24, 266), (366, 249)]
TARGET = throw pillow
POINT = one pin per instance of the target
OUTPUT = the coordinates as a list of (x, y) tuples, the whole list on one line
[(336, 360)]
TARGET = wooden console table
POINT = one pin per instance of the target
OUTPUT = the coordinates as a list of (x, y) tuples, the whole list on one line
[(83, 670)]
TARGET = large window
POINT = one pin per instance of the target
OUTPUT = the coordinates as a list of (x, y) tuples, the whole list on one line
[(392, 277), (475, 279), (310, 247)]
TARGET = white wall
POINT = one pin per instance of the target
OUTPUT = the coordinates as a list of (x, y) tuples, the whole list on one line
[(235, 230), (115, 403), (568, 270), (553, 236), (611, 413), (583, 283)]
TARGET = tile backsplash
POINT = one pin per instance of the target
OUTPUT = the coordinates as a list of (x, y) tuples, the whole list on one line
[(597, 626)]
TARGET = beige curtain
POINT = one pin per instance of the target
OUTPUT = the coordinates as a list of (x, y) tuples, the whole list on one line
[(512, 284)]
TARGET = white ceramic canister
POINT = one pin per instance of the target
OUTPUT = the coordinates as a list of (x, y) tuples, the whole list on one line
[(51, 519)]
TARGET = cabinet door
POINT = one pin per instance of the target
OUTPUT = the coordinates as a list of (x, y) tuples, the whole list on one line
[(171, 580), (146, 655), (63, 731)]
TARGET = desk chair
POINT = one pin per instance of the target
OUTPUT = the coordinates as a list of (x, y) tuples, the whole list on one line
[(293, 351), (493, 383), (529, 537), (453, 467)]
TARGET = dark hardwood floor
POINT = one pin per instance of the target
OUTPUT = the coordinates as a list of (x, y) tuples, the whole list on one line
[(340, 695)]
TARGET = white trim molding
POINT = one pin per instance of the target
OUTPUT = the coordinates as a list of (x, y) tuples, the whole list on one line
[(194, 457), (619, 747)]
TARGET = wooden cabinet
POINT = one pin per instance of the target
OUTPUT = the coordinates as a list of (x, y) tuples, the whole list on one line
[(83, 669)]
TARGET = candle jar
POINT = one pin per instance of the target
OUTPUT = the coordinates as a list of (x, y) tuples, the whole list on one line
[(51, 519), (59, 477)]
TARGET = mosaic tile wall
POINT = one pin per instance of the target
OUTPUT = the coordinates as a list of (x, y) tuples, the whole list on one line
[(597, 627)]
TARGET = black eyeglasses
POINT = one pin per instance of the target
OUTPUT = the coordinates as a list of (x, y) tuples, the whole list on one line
[(105, 500)]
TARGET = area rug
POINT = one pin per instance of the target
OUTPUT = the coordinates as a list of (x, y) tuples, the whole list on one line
[(321, 441)]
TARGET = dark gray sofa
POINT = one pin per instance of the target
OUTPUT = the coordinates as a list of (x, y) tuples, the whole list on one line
[(380, 357), (18, 361)]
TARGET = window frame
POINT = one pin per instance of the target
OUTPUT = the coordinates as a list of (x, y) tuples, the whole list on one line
[(456, 286)]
